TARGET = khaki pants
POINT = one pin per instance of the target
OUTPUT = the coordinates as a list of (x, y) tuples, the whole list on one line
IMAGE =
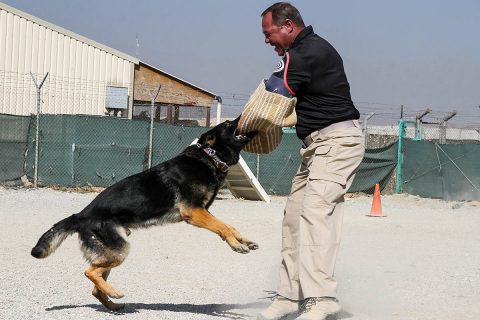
[(314, 212)]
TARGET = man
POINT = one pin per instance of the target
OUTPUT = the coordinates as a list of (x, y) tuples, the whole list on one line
[(332, 149)]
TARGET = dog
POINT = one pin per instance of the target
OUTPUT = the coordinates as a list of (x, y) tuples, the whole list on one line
[(180, 189)]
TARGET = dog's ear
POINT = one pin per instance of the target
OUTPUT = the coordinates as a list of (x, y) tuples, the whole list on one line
[(211, 140), (237, 120)]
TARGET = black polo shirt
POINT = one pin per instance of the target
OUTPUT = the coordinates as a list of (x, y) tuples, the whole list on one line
[(316, 76)]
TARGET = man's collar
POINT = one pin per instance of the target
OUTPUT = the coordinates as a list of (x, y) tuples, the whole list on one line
[(302, 35)]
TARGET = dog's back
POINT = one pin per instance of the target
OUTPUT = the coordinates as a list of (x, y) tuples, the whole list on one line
[(142, 200)]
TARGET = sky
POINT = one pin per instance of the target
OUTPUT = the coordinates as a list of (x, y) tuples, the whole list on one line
[(416, 53)]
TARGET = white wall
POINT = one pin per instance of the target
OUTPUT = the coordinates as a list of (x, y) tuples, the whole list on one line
[(79, 69)]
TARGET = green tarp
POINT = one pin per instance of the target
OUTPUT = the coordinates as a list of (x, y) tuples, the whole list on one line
[(81, 150), (278, 168), (13, 144), (377, 166), (450, 172)]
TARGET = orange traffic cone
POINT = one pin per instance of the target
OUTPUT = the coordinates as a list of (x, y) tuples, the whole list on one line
[(376, 210)]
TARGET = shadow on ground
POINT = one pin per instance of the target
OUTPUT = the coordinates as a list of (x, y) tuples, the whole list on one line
[(225, 311)]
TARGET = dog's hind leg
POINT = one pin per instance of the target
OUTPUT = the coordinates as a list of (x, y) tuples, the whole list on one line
[(104, 245), (103, 298), (96, 274)]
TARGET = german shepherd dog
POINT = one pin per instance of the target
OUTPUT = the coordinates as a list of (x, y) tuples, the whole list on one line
[(180, 189)]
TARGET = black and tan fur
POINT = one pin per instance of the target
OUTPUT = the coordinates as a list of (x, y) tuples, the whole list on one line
[(180, 189)]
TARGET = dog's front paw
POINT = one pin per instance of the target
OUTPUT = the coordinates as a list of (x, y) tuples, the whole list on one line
[(241, 248), (252, 245), (238, 247)]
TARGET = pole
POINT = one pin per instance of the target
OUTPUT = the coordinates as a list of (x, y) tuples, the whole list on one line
[(258, 167), (401, 135), (219, 109), (365, 127), (37, 129), (153, 97), (443, 127), (418, 123)]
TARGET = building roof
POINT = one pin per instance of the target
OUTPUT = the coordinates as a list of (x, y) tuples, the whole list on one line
[(68, 33)]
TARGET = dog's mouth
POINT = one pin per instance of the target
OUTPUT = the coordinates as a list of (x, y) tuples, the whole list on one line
[(244, 138), (241, 138)]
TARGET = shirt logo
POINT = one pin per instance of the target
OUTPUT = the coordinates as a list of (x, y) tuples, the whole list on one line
[(279, 66)]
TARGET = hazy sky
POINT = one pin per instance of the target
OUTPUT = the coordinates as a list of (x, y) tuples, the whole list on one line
[(416, 53)]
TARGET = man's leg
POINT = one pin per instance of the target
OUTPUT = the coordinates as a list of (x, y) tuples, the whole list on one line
[(289, 285), (331, 171), (287, 298), (320, 228)]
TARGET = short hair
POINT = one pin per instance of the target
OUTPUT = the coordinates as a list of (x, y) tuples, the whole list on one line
[(282, 11)]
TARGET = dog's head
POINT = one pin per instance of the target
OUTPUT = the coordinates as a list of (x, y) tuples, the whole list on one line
[(224, 140)]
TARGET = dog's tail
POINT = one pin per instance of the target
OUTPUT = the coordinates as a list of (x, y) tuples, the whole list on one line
[(53, 238)]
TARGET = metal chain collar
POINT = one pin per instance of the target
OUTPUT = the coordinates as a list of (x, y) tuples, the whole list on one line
[(219, 164)]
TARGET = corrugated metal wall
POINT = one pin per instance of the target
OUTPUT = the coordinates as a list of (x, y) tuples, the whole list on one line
[(79, 71)]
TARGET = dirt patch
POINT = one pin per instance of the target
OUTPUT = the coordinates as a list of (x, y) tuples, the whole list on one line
[(420, 262)]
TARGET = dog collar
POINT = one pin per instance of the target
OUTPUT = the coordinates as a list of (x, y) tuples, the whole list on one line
[(219, 164)]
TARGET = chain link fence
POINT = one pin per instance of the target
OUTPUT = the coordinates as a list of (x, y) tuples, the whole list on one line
[(77, 150), (13, 145), (443, 135)]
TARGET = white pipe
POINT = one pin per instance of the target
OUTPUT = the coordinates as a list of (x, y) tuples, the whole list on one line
[(219, 112)]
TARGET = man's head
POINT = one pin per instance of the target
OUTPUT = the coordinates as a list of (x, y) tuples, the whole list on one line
[(281, 23)]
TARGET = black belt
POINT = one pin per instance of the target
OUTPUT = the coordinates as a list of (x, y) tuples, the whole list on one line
[(334, 126)]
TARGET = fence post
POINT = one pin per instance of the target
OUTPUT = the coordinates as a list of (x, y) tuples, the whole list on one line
[(365, 127), (418, 123), (443, 127), (37, 129), (153, 96), (401, 136)]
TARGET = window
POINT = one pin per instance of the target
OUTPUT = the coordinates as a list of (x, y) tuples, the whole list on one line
[(117, 98)]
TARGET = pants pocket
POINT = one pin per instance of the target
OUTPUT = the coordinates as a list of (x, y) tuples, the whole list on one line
[(322, 165), (338, 160)]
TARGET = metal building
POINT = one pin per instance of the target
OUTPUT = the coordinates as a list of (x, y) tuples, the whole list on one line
[(84, 77), (82, 72)]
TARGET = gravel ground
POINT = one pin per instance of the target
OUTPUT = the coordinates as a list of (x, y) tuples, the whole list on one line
[(422, 261)]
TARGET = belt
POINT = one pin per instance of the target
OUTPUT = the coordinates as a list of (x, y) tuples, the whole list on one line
[(334, 126)]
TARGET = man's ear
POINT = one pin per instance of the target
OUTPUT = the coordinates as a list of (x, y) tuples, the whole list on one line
[(289, 25)]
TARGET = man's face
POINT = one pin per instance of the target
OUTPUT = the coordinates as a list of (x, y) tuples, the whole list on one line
[(276, 36)]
